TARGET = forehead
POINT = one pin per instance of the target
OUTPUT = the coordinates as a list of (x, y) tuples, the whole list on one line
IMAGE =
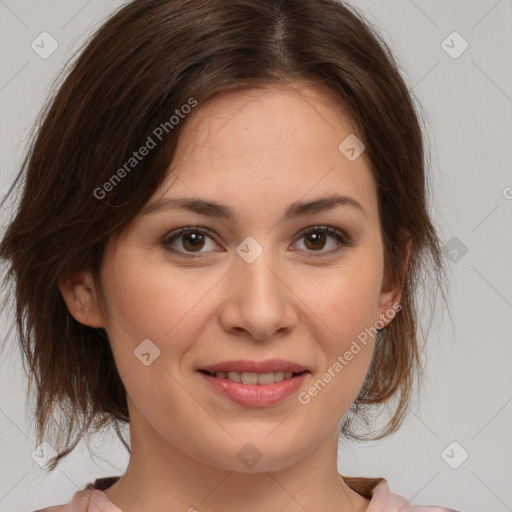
[(267, 145), (267, 119)]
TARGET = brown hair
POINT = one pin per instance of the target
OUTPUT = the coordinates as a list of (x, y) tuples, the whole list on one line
[(146, 61)]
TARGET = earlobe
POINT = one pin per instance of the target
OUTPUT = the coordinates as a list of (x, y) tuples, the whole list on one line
[(79, 293)]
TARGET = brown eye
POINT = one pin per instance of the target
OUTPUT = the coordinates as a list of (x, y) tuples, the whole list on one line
[(316, 238), (193, 241), (189, 240)]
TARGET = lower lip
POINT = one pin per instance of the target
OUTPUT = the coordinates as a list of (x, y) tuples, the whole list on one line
[(252, 395)]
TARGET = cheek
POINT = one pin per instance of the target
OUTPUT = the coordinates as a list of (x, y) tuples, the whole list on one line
[(345, 301), (153, 301), (345, 304), (346, 307)]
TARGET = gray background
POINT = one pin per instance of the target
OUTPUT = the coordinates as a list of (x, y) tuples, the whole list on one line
[(467, 396)]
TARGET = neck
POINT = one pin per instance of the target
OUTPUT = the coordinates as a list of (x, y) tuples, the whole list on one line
[(162, 477)]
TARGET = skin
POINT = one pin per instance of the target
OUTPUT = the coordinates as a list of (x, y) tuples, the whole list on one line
[(256, 151)]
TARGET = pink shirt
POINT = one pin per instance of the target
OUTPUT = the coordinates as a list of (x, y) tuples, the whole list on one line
[(91, 499)]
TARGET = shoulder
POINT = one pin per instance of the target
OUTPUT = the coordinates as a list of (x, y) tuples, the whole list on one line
[(87, 500), (79, 503), (382, 498)]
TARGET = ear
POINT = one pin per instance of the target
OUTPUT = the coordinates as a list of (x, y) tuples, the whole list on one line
[(391, 292), (79, 293)]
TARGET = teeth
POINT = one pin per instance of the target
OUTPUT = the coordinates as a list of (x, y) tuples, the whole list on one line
[(250, 378), (254, 378), (234, 376)]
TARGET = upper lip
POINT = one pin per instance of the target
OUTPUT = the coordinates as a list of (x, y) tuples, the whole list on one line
[(245, 365)]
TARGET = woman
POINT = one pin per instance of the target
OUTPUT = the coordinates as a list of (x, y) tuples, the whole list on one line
[(222, 226)]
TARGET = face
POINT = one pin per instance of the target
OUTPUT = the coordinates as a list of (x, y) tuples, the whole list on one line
[(275, 280)]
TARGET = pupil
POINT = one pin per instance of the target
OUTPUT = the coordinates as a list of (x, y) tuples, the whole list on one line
[(196, 238), (315, 237)]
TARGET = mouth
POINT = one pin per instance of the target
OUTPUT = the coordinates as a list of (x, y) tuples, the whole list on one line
[(254, 378), (254, 383)]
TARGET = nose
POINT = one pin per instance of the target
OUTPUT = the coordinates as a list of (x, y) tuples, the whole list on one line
[(259, 300)]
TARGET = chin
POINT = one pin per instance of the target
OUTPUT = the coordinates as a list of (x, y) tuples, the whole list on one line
[(251, 454)]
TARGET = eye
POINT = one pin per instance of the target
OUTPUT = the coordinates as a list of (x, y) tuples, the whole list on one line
[(315, 239), (191, 240)]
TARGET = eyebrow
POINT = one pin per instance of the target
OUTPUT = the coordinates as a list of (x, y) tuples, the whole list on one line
[(221, 211)]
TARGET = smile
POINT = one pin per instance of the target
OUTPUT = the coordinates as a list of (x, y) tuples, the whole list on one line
[(254, 389), (250, 378)]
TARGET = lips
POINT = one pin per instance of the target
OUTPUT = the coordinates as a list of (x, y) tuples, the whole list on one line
[(255, 383), (259, 394)]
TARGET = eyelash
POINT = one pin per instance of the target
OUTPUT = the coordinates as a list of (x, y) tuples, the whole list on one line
[(343, 240)]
